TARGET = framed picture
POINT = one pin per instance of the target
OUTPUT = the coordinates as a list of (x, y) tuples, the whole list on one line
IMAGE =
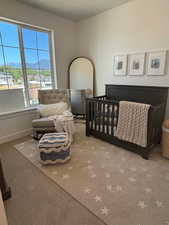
[(136, 64), (120, 65), (156, 63)]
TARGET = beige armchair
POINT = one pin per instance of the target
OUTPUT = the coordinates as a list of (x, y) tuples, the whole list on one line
[(46, 125)]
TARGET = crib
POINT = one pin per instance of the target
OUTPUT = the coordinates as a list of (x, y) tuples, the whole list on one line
[(102, 114)]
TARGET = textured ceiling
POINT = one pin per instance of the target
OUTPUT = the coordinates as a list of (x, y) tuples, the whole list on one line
[(75, 10)]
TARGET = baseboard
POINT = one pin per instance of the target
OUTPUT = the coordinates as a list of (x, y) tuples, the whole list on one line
[(15, 135)]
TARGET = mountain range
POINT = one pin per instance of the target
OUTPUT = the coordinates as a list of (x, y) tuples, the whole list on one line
[(44, 65)]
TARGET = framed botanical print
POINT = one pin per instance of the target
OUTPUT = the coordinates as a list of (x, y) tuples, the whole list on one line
[(136, 64), (120, 65), (156, 63)]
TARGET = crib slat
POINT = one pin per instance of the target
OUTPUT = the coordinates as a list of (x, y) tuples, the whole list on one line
[(87, 117), (102, 115), (112, 120), (92, 112), (99, 115), (95, 116), (103, 120), (108, 114)]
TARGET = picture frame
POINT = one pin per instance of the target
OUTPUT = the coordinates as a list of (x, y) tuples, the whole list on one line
[(136, 64), (156, 63), (120, 65)]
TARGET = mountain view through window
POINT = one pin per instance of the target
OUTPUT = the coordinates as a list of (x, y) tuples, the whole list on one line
[(25, 64)]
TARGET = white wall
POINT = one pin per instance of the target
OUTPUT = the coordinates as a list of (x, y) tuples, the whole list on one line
[(136, 26), (20, 124), (16, 125)]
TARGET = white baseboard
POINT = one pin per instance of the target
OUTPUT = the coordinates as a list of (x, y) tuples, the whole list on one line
[(15, 136)]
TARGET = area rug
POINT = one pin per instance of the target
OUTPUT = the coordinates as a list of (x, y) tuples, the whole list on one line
[(118, 186)]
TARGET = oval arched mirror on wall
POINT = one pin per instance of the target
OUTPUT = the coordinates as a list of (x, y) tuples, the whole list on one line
[(81, 78)]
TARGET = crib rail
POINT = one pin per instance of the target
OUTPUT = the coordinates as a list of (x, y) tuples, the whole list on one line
[(102, 118), (101, 115)]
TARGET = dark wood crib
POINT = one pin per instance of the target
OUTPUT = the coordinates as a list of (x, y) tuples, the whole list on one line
[(102, 114)]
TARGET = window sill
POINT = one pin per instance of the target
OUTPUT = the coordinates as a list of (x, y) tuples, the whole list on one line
[(17, 113)]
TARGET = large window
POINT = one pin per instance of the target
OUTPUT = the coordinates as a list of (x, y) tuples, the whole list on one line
[(25, 65)]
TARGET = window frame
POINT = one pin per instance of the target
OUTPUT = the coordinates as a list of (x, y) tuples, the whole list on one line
[(50, 32)]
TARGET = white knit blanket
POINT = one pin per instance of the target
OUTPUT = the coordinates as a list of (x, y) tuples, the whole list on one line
[(64, 123), (132, 122)]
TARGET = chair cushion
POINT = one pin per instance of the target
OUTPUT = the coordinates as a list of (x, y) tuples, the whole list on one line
[(42, 122), (53, 109)]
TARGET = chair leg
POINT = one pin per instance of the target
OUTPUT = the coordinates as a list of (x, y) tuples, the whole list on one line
[(145, 156), (35, 135)]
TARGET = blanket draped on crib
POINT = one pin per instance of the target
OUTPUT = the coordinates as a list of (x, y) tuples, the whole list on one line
[(133, 122)]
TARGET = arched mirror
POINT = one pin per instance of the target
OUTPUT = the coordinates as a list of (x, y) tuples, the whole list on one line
[(81, 76)]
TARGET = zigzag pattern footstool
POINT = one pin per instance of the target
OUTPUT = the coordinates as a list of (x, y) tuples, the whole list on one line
[(54, 148)]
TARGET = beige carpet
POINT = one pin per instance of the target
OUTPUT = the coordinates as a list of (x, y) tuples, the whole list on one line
[(36, 199), (118, 186)]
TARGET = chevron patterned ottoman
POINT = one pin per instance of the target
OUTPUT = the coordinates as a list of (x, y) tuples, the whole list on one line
[(54, 148)]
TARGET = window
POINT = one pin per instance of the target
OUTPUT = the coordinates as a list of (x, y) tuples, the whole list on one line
[(25, 65)]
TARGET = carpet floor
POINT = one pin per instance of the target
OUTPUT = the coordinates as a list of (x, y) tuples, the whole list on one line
[(36, 199), (116, 185)]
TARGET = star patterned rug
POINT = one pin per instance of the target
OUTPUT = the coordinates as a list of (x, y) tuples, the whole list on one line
[(118, 186)]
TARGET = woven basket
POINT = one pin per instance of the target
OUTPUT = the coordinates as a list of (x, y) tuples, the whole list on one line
[(165, 139)]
